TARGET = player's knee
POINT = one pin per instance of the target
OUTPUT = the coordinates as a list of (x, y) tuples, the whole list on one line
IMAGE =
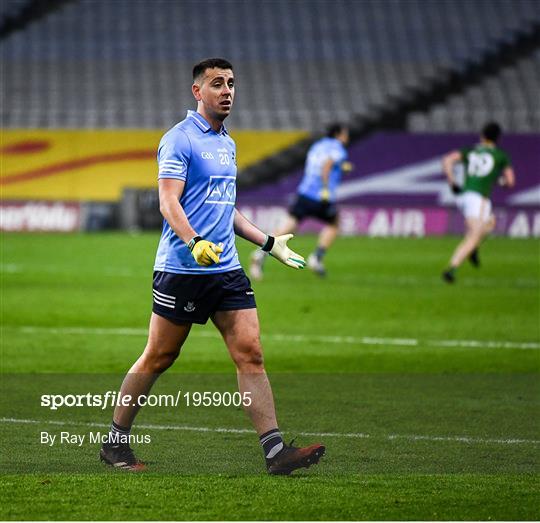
[(249, 357), (156, 362), (475, 231), (256, 358), (477, 234), (164, 362)]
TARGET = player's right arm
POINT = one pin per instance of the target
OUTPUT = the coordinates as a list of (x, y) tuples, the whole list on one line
[(325, 177), (170, 192), (448, 162), (173, 157)]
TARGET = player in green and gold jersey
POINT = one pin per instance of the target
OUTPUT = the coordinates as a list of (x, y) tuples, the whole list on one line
[(484, 165)]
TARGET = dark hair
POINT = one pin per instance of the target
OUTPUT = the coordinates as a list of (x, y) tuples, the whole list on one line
[(210, 63), (334, 129), (492, 131)]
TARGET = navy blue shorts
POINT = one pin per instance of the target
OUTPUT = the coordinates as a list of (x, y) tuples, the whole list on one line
[(305, 207), (193, 298)]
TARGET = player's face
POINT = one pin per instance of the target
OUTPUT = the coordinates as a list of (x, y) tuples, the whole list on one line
[(216, 92), (344, 136)]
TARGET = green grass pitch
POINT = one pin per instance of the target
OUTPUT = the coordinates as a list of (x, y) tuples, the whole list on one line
[(426, 395)]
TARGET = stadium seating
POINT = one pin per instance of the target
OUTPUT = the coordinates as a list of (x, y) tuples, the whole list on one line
[(300, 63), (11, 8), (510, 98)]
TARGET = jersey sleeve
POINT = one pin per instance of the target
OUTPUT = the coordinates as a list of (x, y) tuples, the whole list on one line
[(173, 156), (338, 155), (506, 160), (464, 153)]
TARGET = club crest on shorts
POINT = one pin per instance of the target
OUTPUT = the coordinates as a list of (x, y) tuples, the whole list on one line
[(190, 307)]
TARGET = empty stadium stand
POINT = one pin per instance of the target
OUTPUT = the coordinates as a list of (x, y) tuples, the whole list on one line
[(300, 64), (15, 15), (12, 8), (511, 98)]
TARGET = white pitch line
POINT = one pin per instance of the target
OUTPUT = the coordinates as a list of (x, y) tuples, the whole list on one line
[(112, 331), (354, 435), (465, 439), (340, 340)]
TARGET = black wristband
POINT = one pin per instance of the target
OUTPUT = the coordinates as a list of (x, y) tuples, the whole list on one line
[(193, 241), (456, 189), (268, 244)]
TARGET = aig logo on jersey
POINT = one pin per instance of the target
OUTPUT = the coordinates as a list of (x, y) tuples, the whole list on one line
[(221, 190)]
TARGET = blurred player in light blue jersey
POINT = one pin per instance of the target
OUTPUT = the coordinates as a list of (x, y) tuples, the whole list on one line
[(197, 275), (325, 163)]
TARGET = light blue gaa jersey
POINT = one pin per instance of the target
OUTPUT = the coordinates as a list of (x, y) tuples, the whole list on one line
[(312, 184), (193, 152)]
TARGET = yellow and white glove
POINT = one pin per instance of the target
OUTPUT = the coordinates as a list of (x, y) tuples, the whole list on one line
[(277, 247), (325, 194), (205, 252), (347, 166)]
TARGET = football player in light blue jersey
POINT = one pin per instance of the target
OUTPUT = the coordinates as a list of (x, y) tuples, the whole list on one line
[(197, 274), (326, 161), (208, 198), (324, 166)]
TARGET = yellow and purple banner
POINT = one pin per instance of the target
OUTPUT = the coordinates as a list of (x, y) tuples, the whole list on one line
[(96, 165)]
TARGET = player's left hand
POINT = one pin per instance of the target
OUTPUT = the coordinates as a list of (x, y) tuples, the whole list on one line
[(281, 252), (347, 166)]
